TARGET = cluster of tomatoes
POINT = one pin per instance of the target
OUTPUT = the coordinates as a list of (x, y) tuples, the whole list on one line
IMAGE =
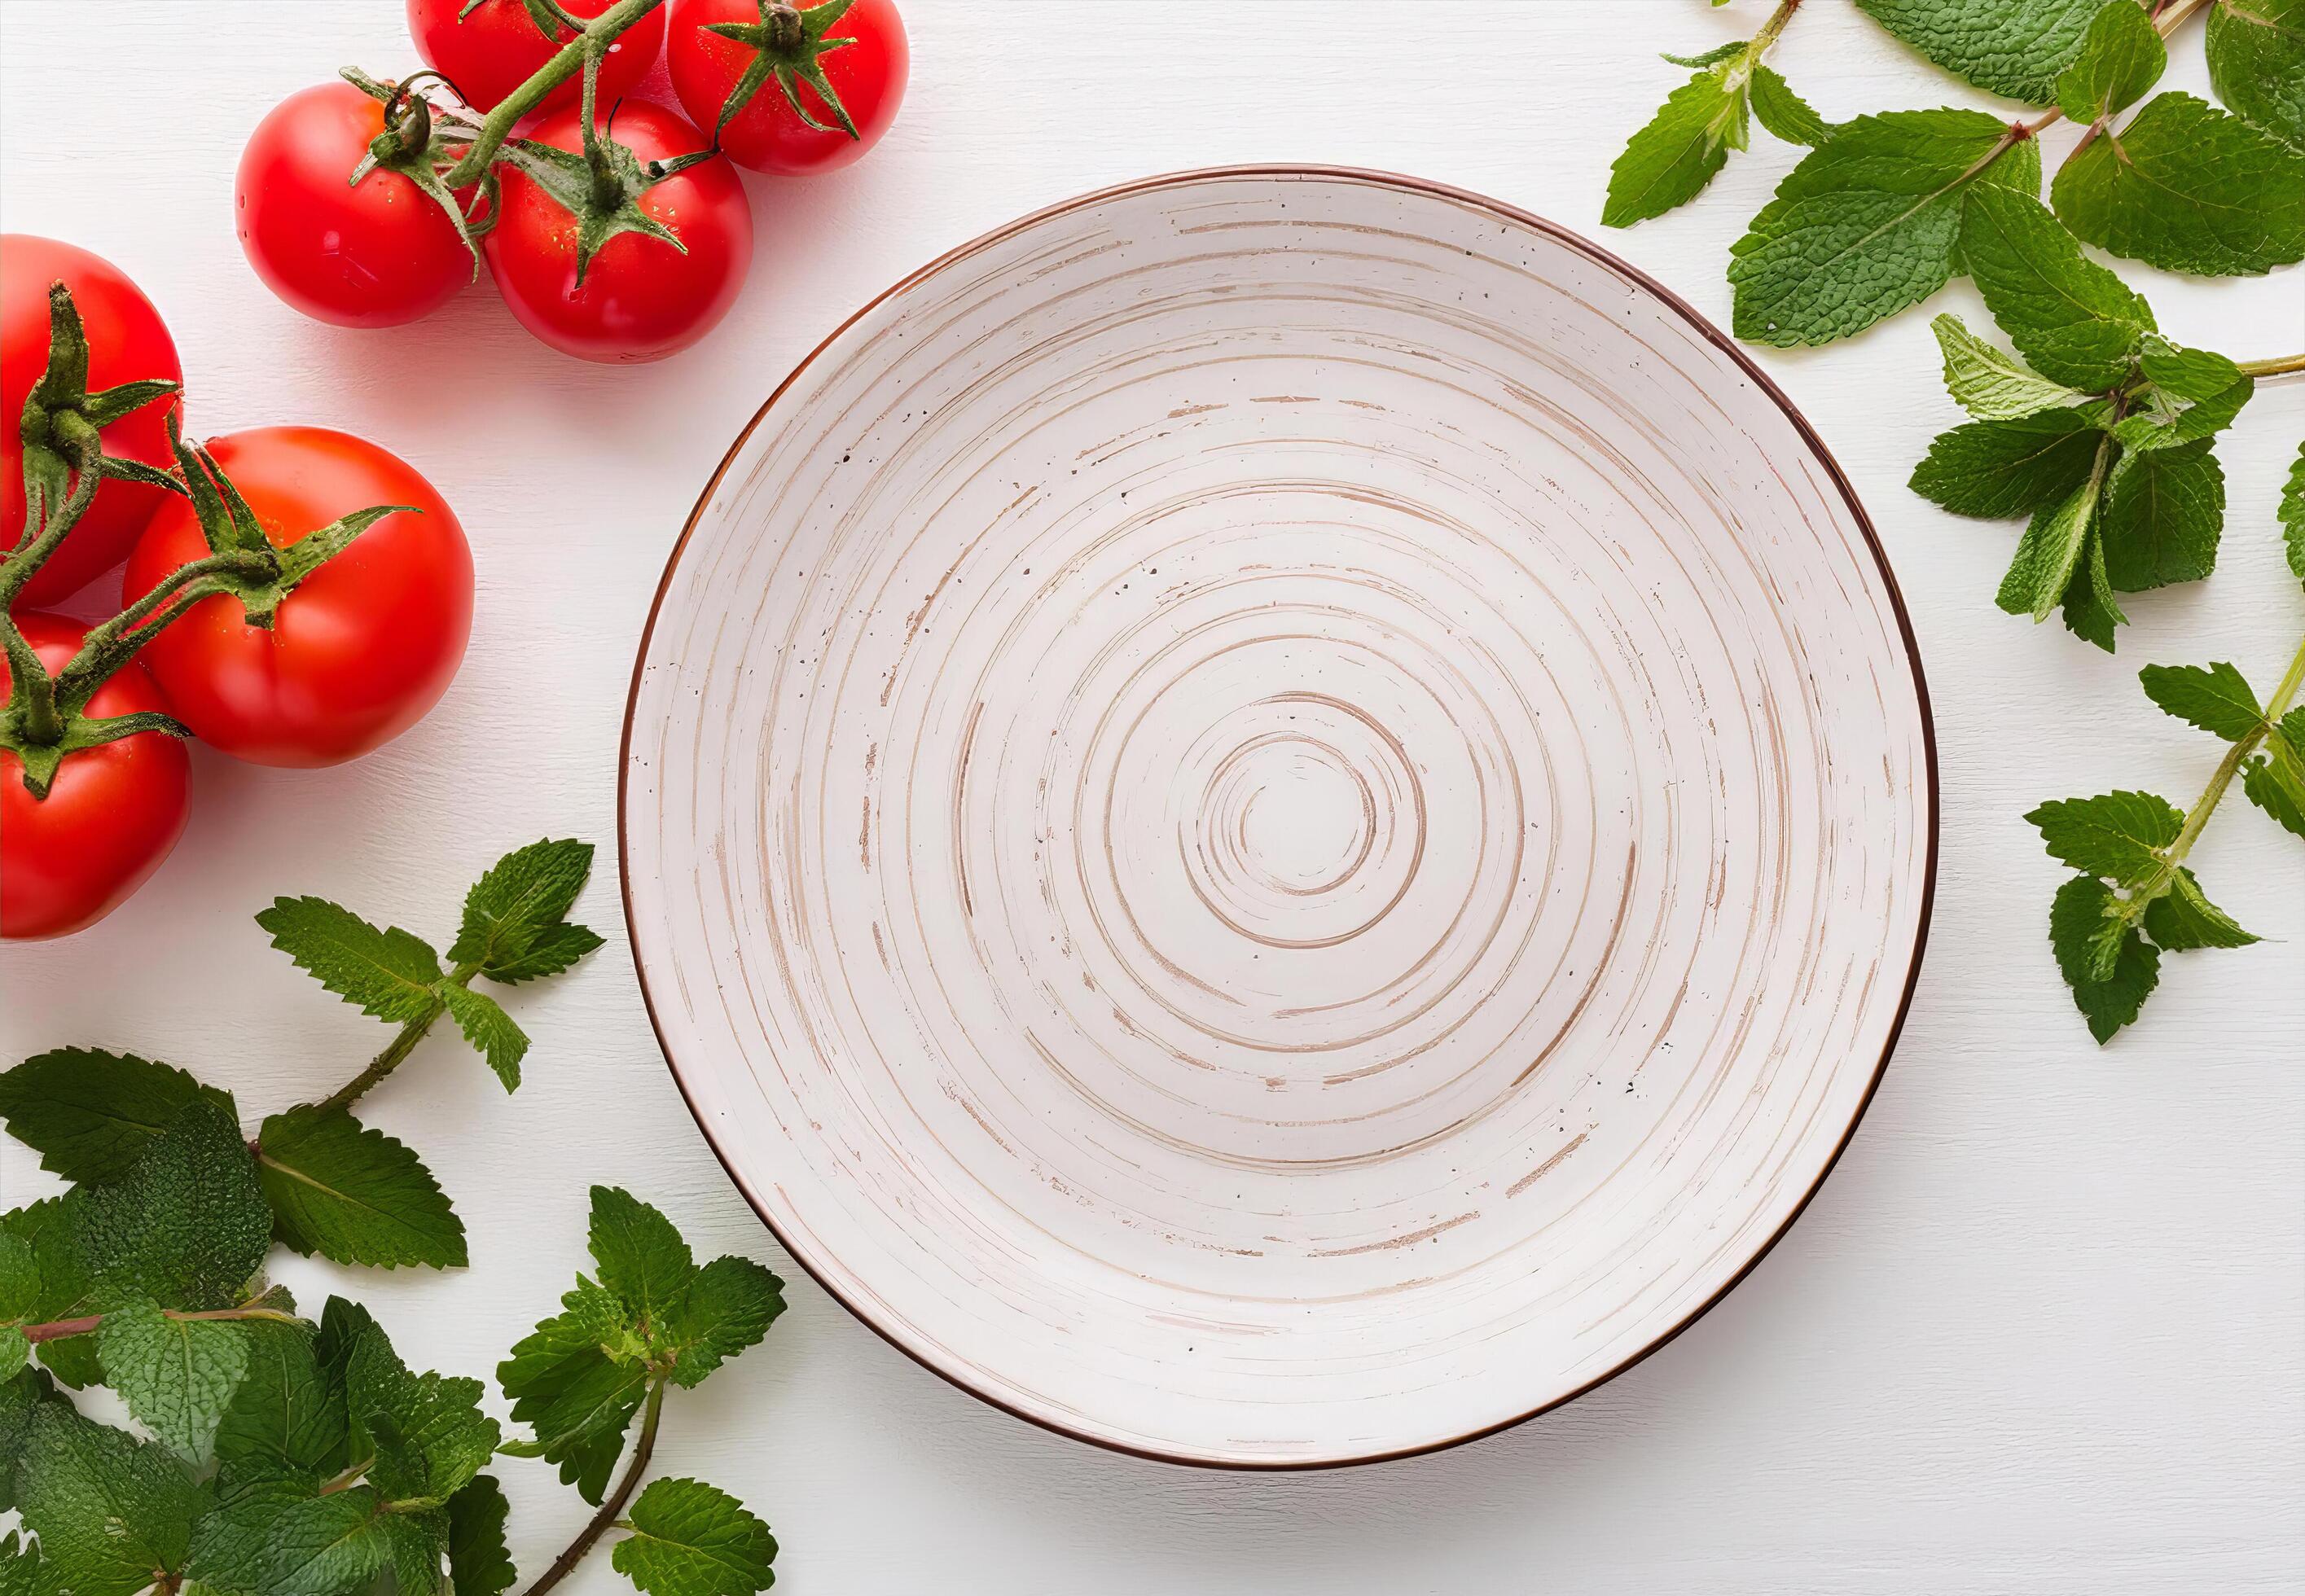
[(784, 89), (355, 654)]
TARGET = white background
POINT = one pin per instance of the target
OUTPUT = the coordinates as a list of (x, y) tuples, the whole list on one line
[(2041, 1331)]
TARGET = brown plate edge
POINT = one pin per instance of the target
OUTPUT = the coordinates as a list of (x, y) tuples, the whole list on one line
[(1554, 230)]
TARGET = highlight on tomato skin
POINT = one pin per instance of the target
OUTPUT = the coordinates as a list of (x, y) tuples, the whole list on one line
[(376, 253), (488, 54), (641, 299), (111, 818), (868, 74), (127, 342), (362, 649)]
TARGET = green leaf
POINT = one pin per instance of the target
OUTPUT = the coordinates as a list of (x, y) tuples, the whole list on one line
[(15, 1352), (2164, 510), (2188, 188), (576, 1381), (2256, 62), (1999, 469), (279, 1536), (1784, 113), (1988, 384), (186, 1227), (2274, 779), (516, 917), (2184, 918), (2090, 610), (642, 1258), (1722, 52), (177, 1376), (726, 1307), (2291, 515), (2074, 321), (1869, 223), (2010, 48), (110, 1510), (478, 1565), (288, 1414), (51, 1228), (416, 1547), (2119, 835), (2121, 57), (2216, 699), (1670, 159), (2078, 927), (689, 1538), (2192, 374), (20, 1282), (19, 1396), (354, 1194), (22, 1573), (2054, 544), (89, 1113), (387, 973), (426, 1432), (490, 1030)]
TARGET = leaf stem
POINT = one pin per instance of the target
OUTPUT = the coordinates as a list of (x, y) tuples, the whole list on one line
[(613, 1508), (2285, 366), (396, 1052), (2198, 817), (1771, 29), (57, 1330)]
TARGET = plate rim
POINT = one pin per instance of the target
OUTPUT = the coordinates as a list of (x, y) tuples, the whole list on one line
[(1380, 178)]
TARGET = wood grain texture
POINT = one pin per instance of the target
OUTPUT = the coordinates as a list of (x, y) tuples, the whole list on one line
[(1276, 817), (2038, 1332)]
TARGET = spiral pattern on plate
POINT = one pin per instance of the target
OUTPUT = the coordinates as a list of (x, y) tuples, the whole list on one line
[(1276, 817)]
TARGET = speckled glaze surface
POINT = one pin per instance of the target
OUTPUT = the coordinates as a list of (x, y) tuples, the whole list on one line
[(1277, 816)]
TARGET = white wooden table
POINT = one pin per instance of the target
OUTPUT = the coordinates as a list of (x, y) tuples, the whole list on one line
[(2040, 1330)]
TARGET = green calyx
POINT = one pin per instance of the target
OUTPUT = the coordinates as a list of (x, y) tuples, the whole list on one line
[(423, 143), (788, 44)]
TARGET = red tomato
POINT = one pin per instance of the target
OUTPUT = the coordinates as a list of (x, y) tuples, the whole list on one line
[(126, 342), (113, 812), (641, 300), (360, 650), (767, 135), (375, 253), (488, 55)]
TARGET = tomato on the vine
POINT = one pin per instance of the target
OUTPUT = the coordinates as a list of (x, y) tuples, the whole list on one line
[(361, 647), (126, 343), (487, 53), (640, 298), (378, 253), (859, 48), (68, 860)]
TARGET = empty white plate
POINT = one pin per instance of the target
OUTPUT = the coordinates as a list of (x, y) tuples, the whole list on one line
[(1277, 816)]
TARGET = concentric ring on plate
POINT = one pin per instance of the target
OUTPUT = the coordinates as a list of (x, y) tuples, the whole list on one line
[(1279, 816)]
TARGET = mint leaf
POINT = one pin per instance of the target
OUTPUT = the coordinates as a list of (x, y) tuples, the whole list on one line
[(2164, 510), (2291, 515), (19, 1396), (354, 1194), (2090, 610), (490, 1030), (1670, 159), (2184, 918), (2190, 188), (426, 1431), (87, 1112), (2188, 395), (278, 1536), (642, 1258), (2010, 48), (111, 1511), (1989, 385), (15, 1352), (288, 1414), (1784, 113), (726, 1307), (23, 1574), (186, 1227), (2003, 468), (2079, 928), (516, 917), (689, 1538), (1869, 223), (2274, 779), (1720, 52), (20, 1281), (478, 1565), (50, 1227), (2193, 374), (2119, 835), (576, 1381), (2121, 57), (389, 973), (177, 1376), (2216, 699), (2256, 62), (416, 1547), (2073, 320), (2056, 542)]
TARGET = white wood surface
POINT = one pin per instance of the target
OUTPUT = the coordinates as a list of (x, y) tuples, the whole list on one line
[(2040, 1330)]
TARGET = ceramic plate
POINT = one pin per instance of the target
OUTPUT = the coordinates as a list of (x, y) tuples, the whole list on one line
[(1277, 816)]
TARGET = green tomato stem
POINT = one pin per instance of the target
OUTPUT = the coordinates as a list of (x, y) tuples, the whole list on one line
[(498, 126), (613, 1508)]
